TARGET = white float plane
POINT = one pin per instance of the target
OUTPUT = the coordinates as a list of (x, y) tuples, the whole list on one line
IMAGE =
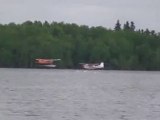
[(90, 66)]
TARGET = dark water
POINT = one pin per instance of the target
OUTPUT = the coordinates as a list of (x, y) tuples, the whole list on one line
[(49, 94)]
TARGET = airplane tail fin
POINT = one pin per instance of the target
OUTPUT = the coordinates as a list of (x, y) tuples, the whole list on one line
[(102, 64)]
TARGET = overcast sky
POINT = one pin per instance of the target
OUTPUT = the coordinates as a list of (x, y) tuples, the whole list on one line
[(144, 13)]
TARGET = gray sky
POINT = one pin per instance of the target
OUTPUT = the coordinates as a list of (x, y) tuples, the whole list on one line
[(144, 13)]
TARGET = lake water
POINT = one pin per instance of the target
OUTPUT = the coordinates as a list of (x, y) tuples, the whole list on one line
[(50, 94)]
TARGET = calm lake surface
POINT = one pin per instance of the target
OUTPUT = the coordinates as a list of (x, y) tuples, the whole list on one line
[(50, 94)]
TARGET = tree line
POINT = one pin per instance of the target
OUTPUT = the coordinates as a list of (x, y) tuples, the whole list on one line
[(121, 48)]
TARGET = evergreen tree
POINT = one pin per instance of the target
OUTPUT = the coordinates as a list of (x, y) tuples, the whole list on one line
[(147, 32), (126, 26), (117, 26), (132, 27), (142, 31), (152, 32)]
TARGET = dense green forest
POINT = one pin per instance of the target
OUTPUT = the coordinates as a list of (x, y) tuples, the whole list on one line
[(122, 48)]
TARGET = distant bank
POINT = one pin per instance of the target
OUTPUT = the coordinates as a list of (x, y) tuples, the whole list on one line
[(123, 48)]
